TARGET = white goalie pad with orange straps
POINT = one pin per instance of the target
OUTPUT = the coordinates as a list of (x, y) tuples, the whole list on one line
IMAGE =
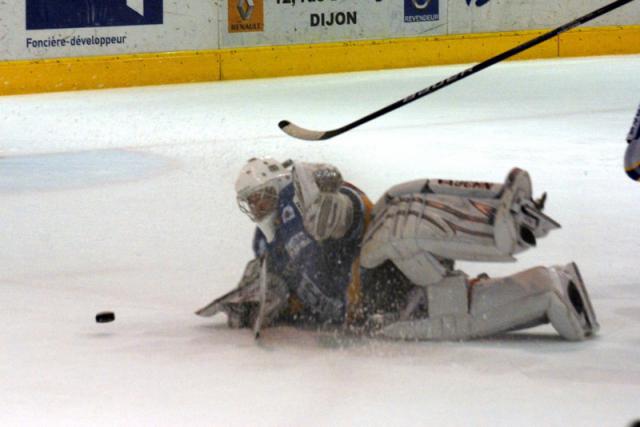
[(454, 309), (419, 224)]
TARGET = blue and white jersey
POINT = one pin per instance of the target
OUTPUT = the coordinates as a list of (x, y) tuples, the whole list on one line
[(318, 273)]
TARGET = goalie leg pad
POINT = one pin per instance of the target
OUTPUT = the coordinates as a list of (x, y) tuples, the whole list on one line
[(416, 231), (533, 297), (448, 313)]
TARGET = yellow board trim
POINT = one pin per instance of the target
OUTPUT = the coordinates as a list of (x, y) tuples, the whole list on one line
[(48, 75)]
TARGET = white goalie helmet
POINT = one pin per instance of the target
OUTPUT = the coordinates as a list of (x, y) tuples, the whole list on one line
[(257, 189)]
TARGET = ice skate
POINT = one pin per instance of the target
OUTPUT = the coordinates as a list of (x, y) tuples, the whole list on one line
[(578, 299)]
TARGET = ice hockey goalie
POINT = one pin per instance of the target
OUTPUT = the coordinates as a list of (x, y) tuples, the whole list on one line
[(325, 256)]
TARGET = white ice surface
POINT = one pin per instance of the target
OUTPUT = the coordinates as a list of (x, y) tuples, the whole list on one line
[(123, 200)]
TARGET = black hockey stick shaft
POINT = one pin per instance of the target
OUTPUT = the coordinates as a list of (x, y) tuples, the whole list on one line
[(257, 326), (634, 132), (311, 135)]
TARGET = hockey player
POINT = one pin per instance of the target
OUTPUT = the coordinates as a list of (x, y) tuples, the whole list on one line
[(319, 259), (632, 153), (310, 227)]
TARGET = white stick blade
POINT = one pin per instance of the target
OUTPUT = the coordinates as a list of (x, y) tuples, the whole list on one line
[(297, 132)]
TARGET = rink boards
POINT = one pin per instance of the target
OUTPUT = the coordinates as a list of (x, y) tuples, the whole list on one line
[(56, 45)]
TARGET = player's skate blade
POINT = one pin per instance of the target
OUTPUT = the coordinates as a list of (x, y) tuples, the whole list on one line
[(579, 297)]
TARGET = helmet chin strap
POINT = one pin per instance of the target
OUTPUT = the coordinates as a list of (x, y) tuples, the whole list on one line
[(267, 226)]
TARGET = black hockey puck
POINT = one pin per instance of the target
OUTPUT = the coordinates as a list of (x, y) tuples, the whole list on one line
[(105, 317)]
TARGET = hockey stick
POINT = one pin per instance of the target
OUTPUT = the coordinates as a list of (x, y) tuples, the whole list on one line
[(634, 132), (257, 326), (314, 135)]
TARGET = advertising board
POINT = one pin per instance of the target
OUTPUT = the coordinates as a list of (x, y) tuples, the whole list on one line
[(35, 29), (317, 21)]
